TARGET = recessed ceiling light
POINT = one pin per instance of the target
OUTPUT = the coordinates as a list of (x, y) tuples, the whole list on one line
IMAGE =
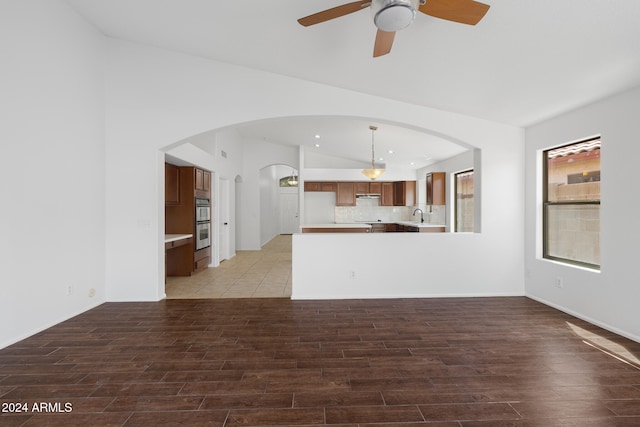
[(317, 145), (390, 151), (381, 159), (412, 163), (317, 136)]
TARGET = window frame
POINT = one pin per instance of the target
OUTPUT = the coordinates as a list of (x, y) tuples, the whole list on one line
[(546, 204), (455, 199)]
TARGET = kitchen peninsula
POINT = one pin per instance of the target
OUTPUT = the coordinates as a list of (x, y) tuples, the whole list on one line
[(373, 227)]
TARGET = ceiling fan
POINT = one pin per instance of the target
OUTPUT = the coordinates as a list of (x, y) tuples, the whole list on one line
[(390, 16)]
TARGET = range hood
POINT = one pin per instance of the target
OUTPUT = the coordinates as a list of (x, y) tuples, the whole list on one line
[(367, 196)]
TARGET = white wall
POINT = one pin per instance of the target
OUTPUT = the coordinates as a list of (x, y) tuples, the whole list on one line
[(269, 204), (270, 200), (258, 155), (52, 214), (157, 97), (609, 297), (403, 265)]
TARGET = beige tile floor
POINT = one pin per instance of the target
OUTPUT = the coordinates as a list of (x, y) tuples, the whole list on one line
[(250, 274)]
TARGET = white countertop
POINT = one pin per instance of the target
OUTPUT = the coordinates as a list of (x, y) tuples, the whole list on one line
[(173, 237), (341, 225)]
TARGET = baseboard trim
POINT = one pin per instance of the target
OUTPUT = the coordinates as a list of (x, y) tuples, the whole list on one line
[(408, 296), (48, 325), (586, 318)]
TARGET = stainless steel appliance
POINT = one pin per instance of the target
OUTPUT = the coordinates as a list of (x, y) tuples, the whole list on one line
[(203, 235), (203, 210), (203, 224)]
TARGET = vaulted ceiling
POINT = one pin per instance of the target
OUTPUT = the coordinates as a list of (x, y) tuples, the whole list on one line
[(524, 62)]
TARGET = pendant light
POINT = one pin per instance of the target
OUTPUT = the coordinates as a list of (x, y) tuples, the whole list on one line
[(372, 173)]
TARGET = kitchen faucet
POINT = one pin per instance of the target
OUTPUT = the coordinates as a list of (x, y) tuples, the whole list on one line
[(421, 214)]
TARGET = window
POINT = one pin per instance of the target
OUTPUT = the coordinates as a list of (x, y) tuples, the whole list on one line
[(571, 216), (464, 201)]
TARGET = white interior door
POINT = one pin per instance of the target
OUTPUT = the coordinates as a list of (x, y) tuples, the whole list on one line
[(289, 221), (224, 223)]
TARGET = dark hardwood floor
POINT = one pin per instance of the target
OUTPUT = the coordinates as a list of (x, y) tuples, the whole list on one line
[(266, 362)]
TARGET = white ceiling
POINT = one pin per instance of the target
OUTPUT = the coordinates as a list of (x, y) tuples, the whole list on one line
[(524, 62), (350, 138)]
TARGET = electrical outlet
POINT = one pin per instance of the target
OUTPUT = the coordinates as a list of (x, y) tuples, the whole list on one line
[(69, 289), (92, 293), (352, 274), (559, 282)]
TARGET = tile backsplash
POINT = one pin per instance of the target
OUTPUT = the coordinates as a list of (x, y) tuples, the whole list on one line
[(369, 210)]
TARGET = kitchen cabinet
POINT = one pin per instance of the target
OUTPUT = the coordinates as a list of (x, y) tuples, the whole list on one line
[(362, 188), (171, 184), (390, 227), (375, 187), (328, 186), (311, 186), (319, 186), (368, 187), (207, 182), (346, 194), (202, 182), (436, 194), (386, 194), (178, 254), (180, 218), (404, 193), (201, 259)]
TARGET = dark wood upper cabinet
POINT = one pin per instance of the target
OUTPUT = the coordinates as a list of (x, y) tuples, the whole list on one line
[(206, 185), (436, 194), (375, 187), (319, 186), (404, 193), (199, 179), (346, 194), (362, 188), (202, 180), (328, 186), (171, 184), (386, 194), (312, 186), (368, 187)]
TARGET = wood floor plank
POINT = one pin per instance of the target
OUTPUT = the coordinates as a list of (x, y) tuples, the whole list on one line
[(276, 362)]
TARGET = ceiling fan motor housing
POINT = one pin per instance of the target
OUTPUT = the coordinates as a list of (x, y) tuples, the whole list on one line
[(393, 15)]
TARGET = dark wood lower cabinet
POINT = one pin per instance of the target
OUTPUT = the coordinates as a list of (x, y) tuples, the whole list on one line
[(391, 227), (179, 257), (201, 259)]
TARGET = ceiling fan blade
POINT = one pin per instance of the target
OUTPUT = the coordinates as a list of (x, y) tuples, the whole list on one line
[(462, 11), (384, 41), (334, 12)]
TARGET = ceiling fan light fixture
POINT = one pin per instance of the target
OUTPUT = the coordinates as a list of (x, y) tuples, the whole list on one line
[(393, 15)]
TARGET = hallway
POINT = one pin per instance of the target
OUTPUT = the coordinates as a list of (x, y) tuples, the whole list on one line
[(250, 274)]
